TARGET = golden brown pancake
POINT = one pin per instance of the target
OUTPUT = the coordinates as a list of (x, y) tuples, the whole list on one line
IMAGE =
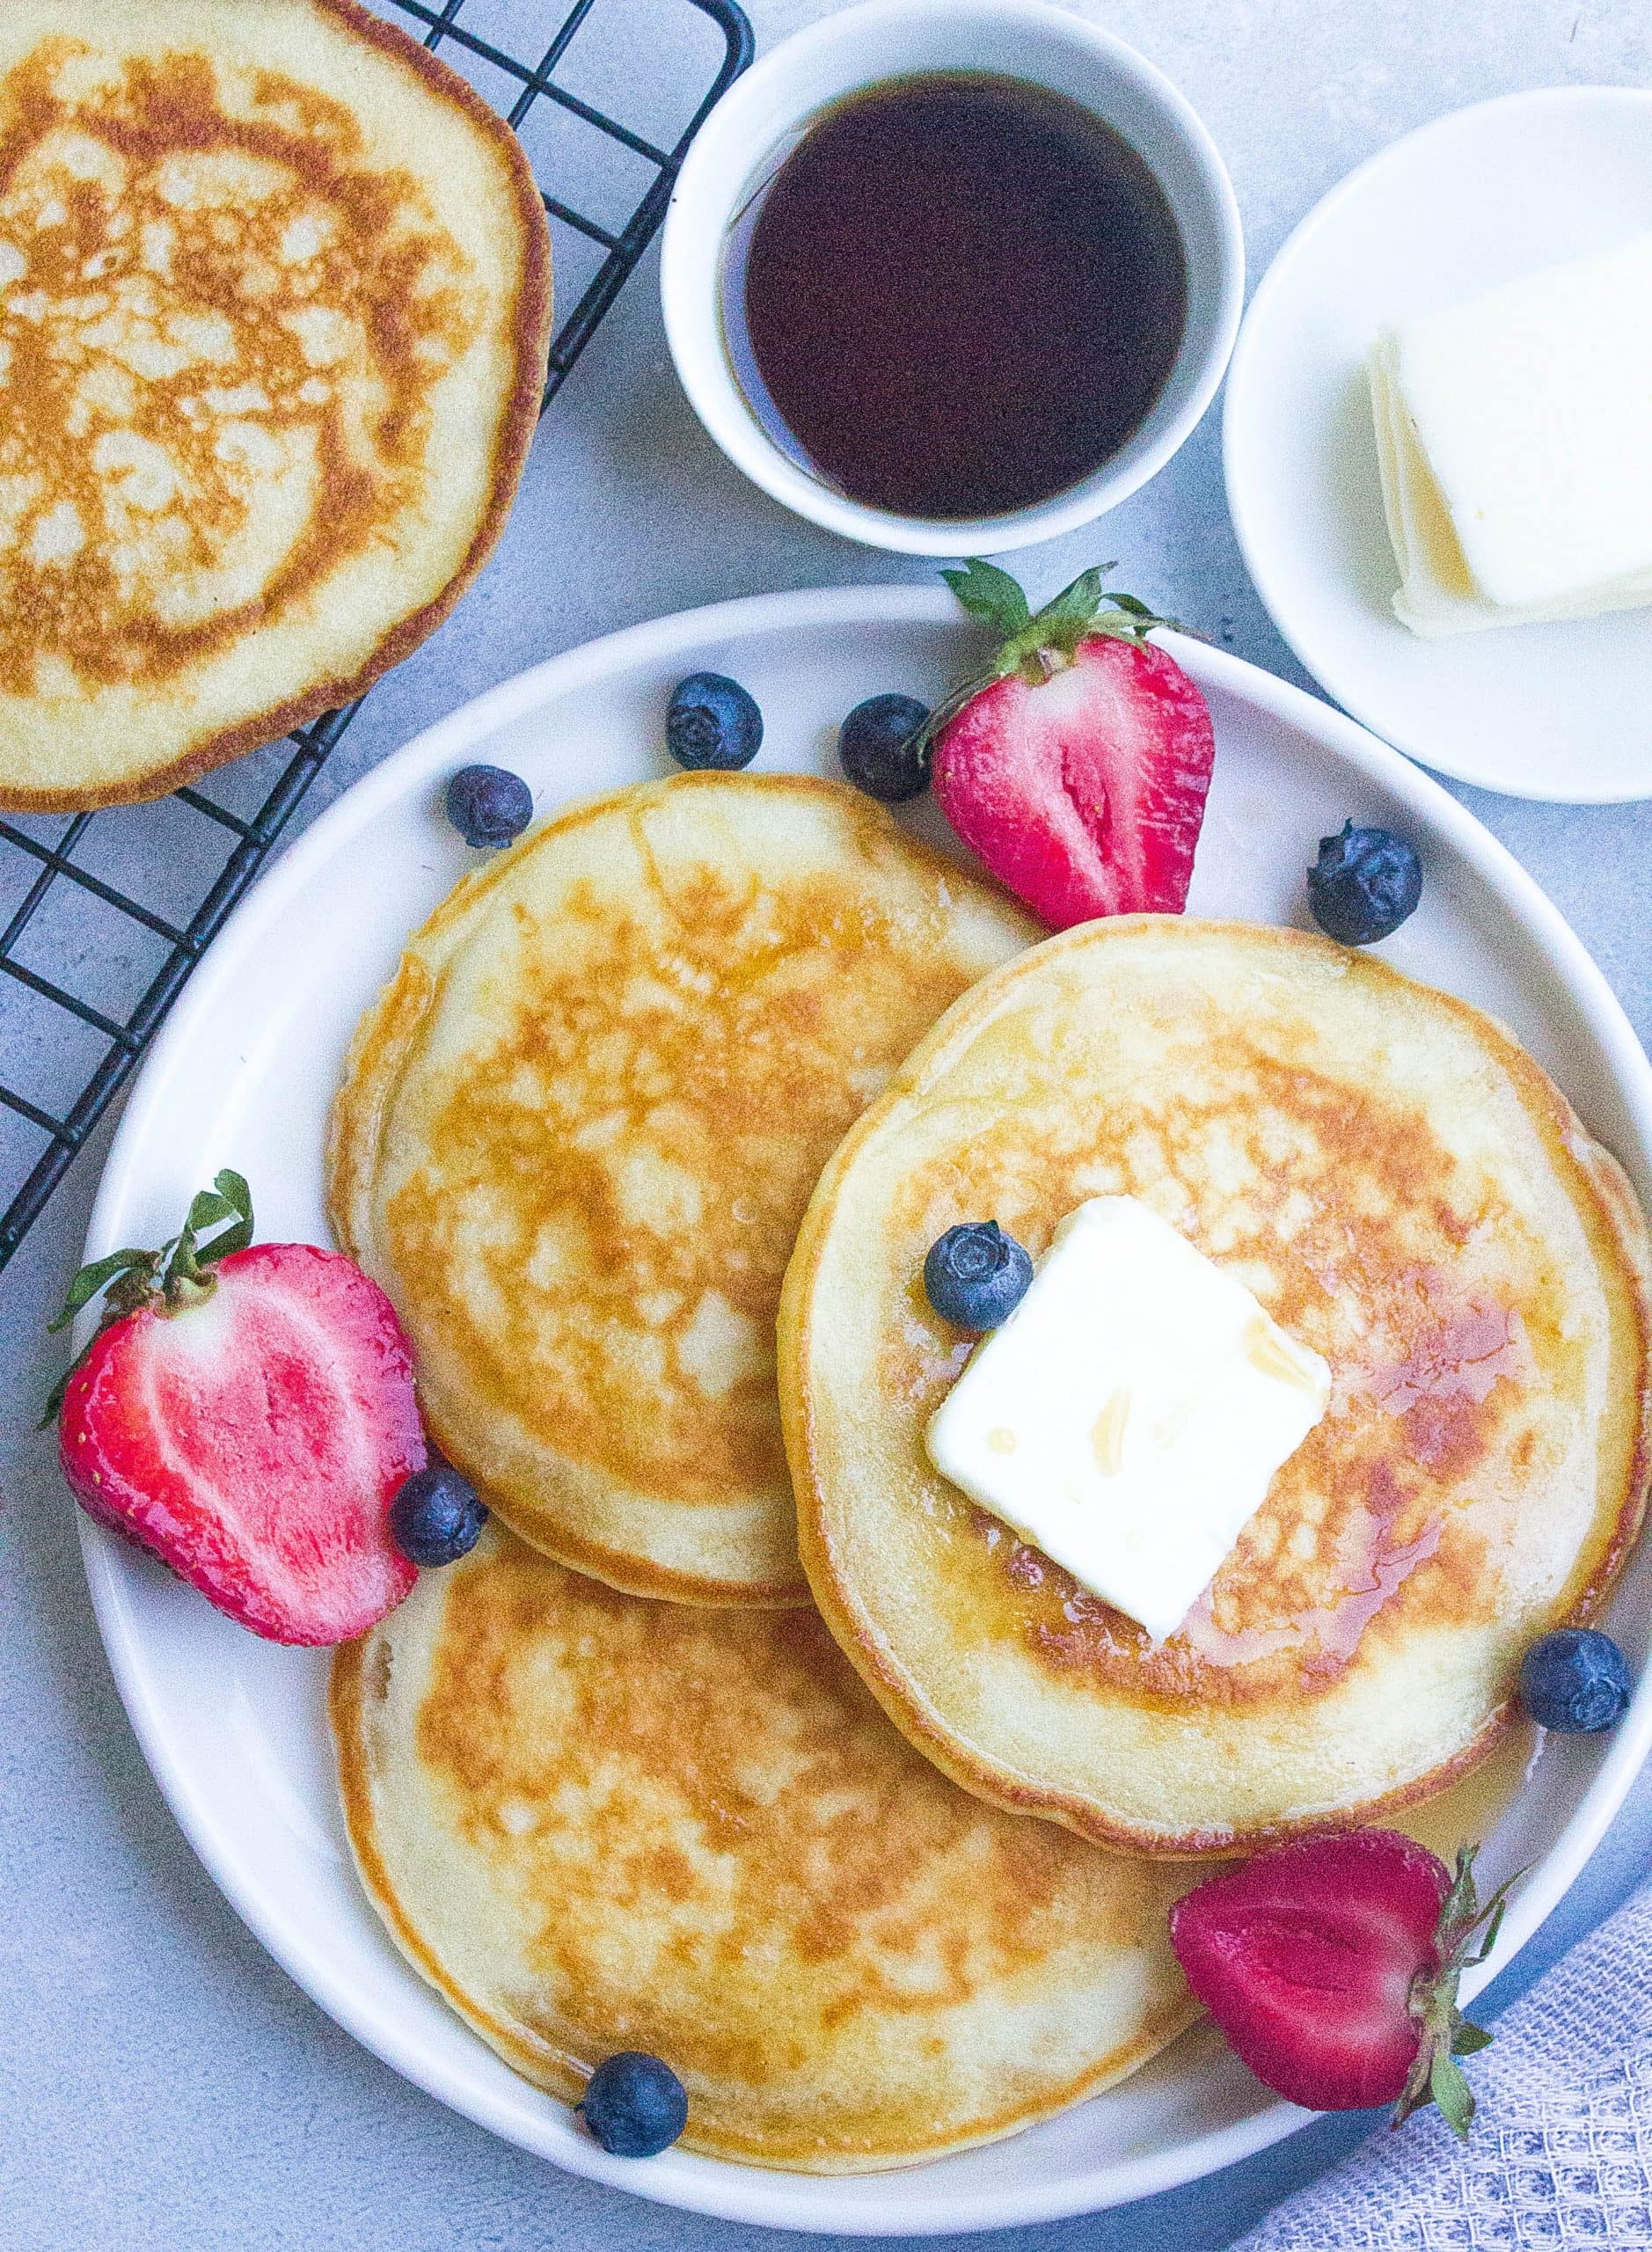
[(579, 1130), (595, 1823), (274, 302), (1408, 1194)]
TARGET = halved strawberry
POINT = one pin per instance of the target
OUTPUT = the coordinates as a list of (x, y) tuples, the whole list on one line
[(247, 1415), (1079, 768), (1331, 1965)]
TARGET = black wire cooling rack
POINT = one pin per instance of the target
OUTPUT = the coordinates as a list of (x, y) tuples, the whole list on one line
[(88, 971)]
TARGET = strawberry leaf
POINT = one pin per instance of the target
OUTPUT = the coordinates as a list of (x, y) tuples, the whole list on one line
[(94, 1279), (232, 1187), (231, 1199), (1450, 2090), (208, 1209), (991, 595), (1461, 1909), (1468, 2040), (1064, 621), (1492, 1915)]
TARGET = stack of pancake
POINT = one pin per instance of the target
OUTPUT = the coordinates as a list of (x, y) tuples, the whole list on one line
[(891, 1877)]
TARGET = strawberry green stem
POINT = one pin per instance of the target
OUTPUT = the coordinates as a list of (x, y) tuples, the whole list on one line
[(169, 1281), (1038, 644), (1444, 2034)]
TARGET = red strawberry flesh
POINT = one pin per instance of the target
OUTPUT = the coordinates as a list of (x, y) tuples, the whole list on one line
[(1085, 793), (1306, 1957), (254, 1441)]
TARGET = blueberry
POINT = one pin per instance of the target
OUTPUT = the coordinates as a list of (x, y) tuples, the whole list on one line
[(976, 1276), (882, 750), (634, 2105), (1364, 884), (713, 721), (436, 1517), (1574, 1681), (488, 805)]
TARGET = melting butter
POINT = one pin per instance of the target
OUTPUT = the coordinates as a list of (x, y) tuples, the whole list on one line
[(1130, 1416)]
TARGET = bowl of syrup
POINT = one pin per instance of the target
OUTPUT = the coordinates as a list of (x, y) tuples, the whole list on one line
[(951, 278)]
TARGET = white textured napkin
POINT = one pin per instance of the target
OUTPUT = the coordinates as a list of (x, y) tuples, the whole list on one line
[(1560, 2151)]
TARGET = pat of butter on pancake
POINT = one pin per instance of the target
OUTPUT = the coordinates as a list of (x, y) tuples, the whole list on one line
[(1514, 437), (1129, 1416)]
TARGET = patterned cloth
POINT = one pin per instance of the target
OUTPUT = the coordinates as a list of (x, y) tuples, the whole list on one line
[(1560, 2154)]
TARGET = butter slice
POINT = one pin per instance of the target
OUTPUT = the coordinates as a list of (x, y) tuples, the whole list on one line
[(1129, 1417), (1514, 435)]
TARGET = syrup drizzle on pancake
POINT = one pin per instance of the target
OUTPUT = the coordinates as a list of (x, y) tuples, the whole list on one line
[(1430, 1379)]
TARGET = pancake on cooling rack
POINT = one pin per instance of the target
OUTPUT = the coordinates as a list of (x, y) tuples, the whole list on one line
[(1408, 1195), (578, 1132), (595, 1823), (274, 297)]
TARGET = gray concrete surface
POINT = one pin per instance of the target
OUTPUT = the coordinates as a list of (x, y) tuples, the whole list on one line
[(163, 2087)]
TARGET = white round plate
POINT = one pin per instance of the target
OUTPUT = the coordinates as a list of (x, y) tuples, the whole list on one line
[(234, 1729), (1478, 198)]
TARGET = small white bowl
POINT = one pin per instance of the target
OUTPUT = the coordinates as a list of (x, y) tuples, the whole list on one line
[(766, 113)]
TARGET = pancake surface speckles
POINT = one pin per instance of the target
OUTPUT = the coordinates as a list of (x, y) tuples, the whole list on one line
[(1407, 1194), (580, 1127), (274, 300), (595, 1822)]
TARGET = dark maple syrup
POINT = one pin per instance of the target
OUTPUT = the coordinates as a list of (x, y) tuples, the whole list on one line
[(958, 294)]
